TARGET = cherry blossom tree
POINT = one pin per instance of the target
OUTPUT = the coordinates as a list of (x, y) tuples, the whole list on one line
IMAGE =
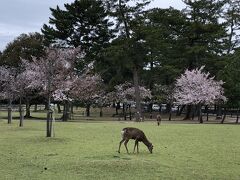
[(15, 85), (7, 87), (25, 89), (125, 93), (22, 91), (196, 87), (101, 101), (59, 68), (87, 88), (52, 75)]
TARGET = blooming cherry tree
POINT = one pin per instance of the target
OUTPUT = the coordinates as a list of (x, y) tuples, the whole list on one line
[(125, 93), (7, 87), (196, 87), (87, 89), (51, 75)]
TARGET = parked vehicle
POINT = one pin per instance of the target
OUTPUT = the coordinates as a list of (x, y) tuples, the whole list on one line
[(174, 108), (163, 107), (155, 107)]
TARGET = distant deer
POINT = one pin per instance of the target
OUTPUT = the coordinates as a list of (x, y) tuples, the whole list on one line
[(159, 119), (137, 135)]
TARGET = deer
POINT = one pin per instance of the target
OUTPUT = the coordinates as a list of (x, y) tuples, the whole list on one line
[(136, 134), (159, 119)]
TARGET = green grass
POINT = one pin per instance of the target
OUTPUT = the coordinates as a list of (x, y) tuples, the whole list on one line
[(88, 151)]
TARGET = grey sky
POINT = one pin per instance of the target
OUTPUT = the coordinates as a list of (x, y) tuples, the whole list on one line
[(24, 16)]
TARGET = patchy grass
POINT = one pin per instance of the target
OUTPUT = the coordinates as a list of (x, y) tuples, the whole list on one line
[(88, 151)]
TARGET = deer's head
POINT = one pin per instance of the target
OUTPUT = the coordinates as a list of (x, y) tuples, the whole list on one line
[(150, 148)]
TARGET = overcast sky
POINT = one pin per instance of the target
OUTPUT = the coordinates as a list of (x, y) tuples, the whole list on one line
[(24, 16)]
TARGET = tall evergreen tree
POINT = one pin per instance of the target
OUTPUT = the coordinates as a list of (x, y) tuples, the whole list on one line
[(81, 24), (205, 34), (131, 52), (230, 74), (164, 35), (232, 20)]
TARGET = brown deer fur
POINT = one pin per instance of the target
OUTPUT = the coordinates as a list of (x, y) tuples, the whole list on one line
[(158, 119), (137, 135)]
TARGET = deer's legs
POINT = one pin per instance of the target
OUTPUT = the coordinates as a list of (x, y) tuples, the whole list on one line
[(120, 145), (136, 144), (125, 143), (137, 147)]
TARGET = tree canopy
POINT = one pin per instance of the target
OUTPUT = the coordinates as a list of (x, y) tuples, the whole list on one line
[(124, 41), (83, 24), (24, 46)]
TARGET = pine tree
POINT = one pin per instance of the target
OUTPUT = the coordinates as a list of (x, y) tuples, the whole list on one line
[(131, 53), (205, 34), (81, 24), (232, 20)]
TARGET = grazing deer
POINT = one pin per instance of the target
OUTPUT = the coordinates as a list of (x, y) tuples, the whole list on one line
[(158, 119), (137, 135)]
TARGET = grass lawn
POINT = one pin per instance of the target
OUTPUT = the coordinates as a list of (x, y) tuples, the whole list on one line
[(88, 150)]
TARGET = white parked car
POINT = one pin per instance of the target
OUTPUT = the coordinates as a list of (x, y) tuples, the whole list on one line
[(164, 107), (155, 107), (174, 108)]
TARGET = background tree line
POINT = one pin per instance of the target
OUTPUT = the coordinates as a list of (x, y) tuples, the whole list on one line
[(124, 41)]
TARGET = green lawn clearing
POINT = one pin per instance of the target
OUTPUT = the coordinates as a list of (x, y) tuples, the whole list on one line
[(88, 150)]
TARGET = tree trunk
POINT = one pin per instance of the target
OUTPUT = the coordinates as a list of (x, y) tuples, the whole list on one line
[(160, 109), (237, 116), (124, 111), (49, 89), (150, 107), (206, 108), (124, 19), (101, 112), (224, 116), (9, 111), (170, 111), (21, 113), (117, 107), (137, 93), (170, 115), (130, 113), (219, 112), (49, 118), (66, 112), (231, 34), (188, 113), (168, 107), (71, 105), (135, 70), (59, 108), (181, 110), (88, 110), (28, 113), (193, 111), (49, 123), (200, 114)]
